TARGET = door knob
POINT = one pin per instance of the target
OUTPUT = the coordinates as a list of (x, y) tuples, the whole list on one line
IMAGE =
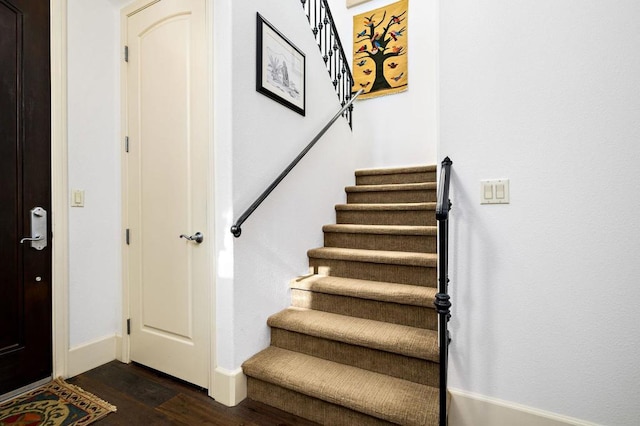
[(197, 237)]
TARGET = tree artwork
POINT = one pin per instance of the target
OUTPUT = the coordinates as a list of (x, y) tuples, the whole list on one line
[(380, 49)]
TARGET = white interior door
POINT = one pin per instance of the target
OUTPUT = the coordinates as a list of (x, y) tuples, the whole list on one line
[(166, 174)]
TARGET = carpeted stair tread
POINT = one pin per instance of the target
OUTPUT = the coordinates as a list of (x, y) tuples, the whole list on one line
[(399, 339), (370, 290), (405, 214), (422, 186), (396, 175), (387, 207), (416, 238), (375, 256), (381, 229), (395, 400), (314, 409), (396, 170)]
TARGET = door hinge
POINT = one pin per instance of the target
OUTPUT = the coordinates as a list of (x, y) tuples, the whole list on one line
[(126, 144), (128, 326), (126, 236), (126, 53)]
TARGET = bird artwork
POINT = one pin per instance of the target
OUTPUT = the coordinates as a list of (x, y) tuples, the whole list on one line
[(398, 77), (395, 34), (380, 39)]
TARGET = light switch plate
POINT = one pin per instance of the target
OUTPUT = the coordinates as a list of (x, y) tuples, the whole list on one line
[(77, 198), (494, 191)]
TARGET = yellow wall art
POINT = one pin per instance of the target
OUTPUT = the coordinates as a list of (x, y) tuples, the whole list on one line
[(380, 50)]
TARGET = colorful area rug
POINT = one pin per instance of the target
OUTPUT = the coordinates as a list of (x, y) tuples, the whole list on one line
[(57, 403)]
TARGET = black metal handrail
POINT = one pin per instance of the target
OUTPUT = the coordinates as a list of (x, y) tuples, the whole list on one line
[(442, 302), (326, 33), (236, 229)]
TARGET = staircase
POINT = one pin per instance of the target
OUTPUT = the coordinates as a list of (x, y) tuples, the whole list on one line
[(359, 344)]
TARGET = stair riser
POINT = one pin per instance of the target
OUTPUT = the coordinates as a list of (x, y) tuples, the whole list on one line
[(403, 274), (403, 367), (396, 178), (307, 407), (412, 316), (383, 197), (375, 217), (413, 243)]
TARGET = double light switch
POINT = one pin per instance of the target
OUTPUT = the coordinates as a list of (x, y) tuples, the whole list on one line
[(494, 191)]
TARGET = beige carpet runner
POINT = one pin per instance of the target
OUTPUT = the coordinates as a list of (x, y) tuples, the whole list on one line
[(359, 344)]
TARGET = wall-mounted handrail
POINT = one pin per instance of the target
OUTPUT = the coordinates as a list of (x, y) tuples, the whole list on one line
[(442, 302), (236, 228)]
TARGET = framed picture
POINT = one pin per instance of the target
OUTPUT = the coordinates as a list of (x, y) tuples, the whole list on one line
[(280, 68), (351, 3)]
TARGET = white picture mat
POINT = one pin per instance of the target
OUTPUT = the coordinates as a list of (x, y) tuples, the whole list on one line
[(273, 46)]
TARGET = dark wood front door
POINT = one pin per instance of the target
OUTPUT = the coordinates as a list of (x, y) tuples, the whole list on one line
[(25, 183)]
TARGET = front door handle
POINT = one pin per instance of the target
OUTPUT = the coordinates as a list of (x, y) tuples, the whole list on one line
[(38, 238), (197, 237)]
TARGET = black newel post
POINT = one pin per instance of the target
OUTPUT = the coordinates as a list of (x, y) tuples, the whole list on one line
[(442, 302)]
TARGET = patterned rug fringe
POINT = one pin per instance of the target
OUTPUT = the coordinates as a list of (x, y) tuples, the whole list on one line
[(87, 395)]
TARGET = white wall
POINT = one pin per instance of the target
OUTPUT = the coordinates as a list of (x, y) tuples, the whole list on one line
[(401, 129), (94, 166), (255, 139), (545, 93), (266, 136)]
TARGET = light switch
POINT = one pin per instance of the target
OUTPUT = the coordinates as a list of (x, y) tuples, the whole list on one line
[(488, 192), (494, 191), (77, 198)]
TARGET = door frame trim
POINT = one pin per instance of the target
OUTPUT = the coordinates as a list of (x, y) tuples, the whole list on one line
[(59, 184), (123, 351)]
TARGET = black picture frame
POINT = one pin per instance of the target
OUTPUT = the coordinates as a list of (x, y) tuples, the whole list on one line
[(280, 67)]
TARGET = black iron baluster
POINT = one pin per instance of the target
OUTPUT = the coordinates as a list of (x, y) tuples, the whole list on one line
[(315, 20), (335, 64), (331, 50), (330, 64)]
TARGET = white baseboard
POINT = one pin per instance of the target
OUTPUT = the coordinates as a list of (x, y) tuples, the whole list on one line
[(468, 409), (119, 343), (229, 387), (91, 355)]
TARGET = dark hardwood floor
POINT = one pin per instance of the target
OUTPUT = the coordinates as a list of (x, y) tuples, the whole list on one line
[(147, 397)]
